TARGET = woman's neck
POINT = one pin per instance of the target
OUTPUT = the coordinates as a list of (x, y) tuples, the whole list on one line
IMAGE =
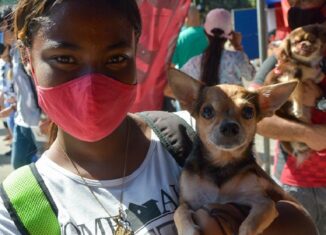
[(103, 159)]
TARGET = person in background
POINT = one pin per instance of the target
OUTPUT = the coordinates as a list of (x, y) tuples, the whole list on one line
[(191, 42), (24, 148), (192, 39), (3, 69), (218, 65), (3, 13), (7, 92), (307, 182)]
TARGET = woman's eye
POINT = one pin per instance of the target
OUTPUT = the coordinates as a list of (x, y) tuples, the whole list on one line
[(117, 59), (248, 112), (208, 112), (65, 59)]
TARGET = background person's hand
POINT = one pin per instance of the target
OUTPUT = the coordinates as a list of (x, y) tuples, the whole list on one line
[(236, 40)]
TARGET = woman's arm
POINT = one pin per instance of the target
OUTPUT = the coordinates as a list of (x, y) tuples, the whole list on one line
[(226, 220), (267, 66), (7, 111)]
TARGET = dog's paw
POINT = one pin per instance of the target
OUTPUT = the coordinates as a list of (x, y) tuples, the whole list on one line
[(245, 229), (191, 230), (298, 113)]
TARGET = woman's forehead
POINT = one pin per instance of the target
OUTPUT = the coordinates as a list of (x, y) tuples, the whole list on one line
[(85, 22)]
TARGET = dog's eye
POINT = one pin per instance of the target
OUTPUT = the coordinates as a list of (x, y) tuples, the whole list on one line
[(248, 112), (208, 112)]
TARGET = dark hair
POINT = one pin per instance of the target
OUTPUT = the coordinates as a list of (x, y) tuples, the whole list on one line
[(29, 14), (211, 59)]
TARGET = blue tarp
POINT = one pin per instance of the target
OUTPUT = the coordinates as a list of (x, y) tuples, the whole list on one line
[(245, 21), (270, 3)]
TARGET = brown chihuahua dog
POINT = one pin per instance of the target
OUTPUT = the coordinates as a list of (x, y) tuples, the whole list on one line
[(222, 168), (299, 59)]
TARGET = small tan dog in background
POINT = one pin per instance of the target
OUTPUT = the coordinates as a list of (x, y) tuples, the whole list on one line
[(222, 168), (299, 59)]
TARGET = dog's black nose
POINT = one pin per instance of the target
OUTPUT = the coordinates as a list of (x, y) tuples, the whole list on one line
[(229, 129)]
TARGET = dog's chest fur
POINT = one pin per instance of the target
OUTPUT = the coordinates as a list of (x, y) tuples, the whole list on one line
[(201, 183)]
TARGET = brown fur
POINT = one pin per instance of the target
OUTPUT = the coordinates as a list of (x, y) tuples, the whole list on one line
[(221, 168), (297, 63)]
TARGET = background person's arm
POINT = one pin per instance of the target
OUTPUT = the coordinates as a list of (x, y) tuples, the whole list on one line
[(267, 66), (278, 128)]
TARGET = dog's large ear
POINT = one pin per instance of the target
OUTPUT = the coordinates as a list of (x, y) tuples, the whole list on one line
[(185, 88), (272, 97)]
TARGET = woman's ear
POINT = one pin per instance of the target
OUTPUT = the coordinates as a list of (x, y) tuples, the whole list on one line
[(25, 57)]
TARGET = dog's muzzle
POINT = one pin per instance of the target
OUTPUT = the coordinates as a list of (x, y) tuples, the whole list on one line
[(228, 135), (229, 129)]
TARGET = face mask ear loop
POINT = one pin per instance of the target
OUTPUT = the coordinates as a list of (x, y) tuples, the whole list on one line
[(32, 68)]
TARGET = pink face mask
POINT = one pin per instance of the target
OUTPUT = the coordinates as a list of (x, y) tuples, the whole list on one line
[(90, 107)]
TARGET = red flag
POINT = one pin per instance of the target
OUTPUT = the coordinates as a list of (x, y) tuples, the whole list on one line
[(162, 20)]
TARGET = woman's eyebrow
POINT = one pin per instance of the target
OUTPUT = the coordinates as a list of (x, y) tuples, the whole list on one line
[(50, 44), (120, 44)]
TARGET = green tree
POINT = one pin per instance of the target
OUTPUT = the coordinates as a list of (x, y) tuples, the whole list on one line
[(7, 2), (227, 4)]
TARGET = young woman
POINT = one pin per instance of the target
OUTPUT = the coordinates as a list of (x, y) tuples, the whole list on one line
[(218, 65), (106, 171)]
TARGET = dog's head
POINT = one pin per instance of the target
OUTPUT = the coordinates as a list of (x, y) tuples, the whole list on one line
[(226, 115), (305, 44)]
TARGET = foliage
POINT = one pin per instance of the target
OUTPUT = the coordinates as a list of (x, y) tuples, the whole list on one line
[(227, 4), (7, 2)]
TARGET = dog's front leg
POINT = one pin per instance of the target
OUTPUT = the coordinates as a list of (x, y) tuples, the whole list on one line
[(297, 96), (261, 215), (184, 222)]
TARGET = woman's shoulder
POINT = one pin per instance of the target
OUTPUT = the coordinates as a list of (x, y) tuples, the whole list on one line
[(194, 60), (233, 54), (193, 67)]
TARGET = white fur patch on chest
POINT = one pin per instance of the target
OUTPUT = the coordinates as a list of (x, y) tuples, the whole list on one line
[(284, 78), (198, 192)]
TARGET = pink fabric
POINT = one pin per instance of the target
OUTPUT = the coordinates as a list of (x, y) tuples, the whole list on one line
[(218, 18), (90, 107), (162, 20)]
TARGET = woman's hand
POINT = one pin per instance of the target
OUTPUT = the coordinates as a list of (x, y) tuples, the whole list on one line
[(217, 219), (236, 40)]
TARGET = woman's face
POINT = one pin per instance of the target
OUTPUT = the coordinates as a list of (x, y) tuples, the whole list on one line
[(83, 37)]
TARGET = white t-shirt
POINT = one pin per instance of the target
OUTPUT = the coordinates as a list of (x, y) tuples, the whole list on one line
[(234, 66), (150, 197)]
